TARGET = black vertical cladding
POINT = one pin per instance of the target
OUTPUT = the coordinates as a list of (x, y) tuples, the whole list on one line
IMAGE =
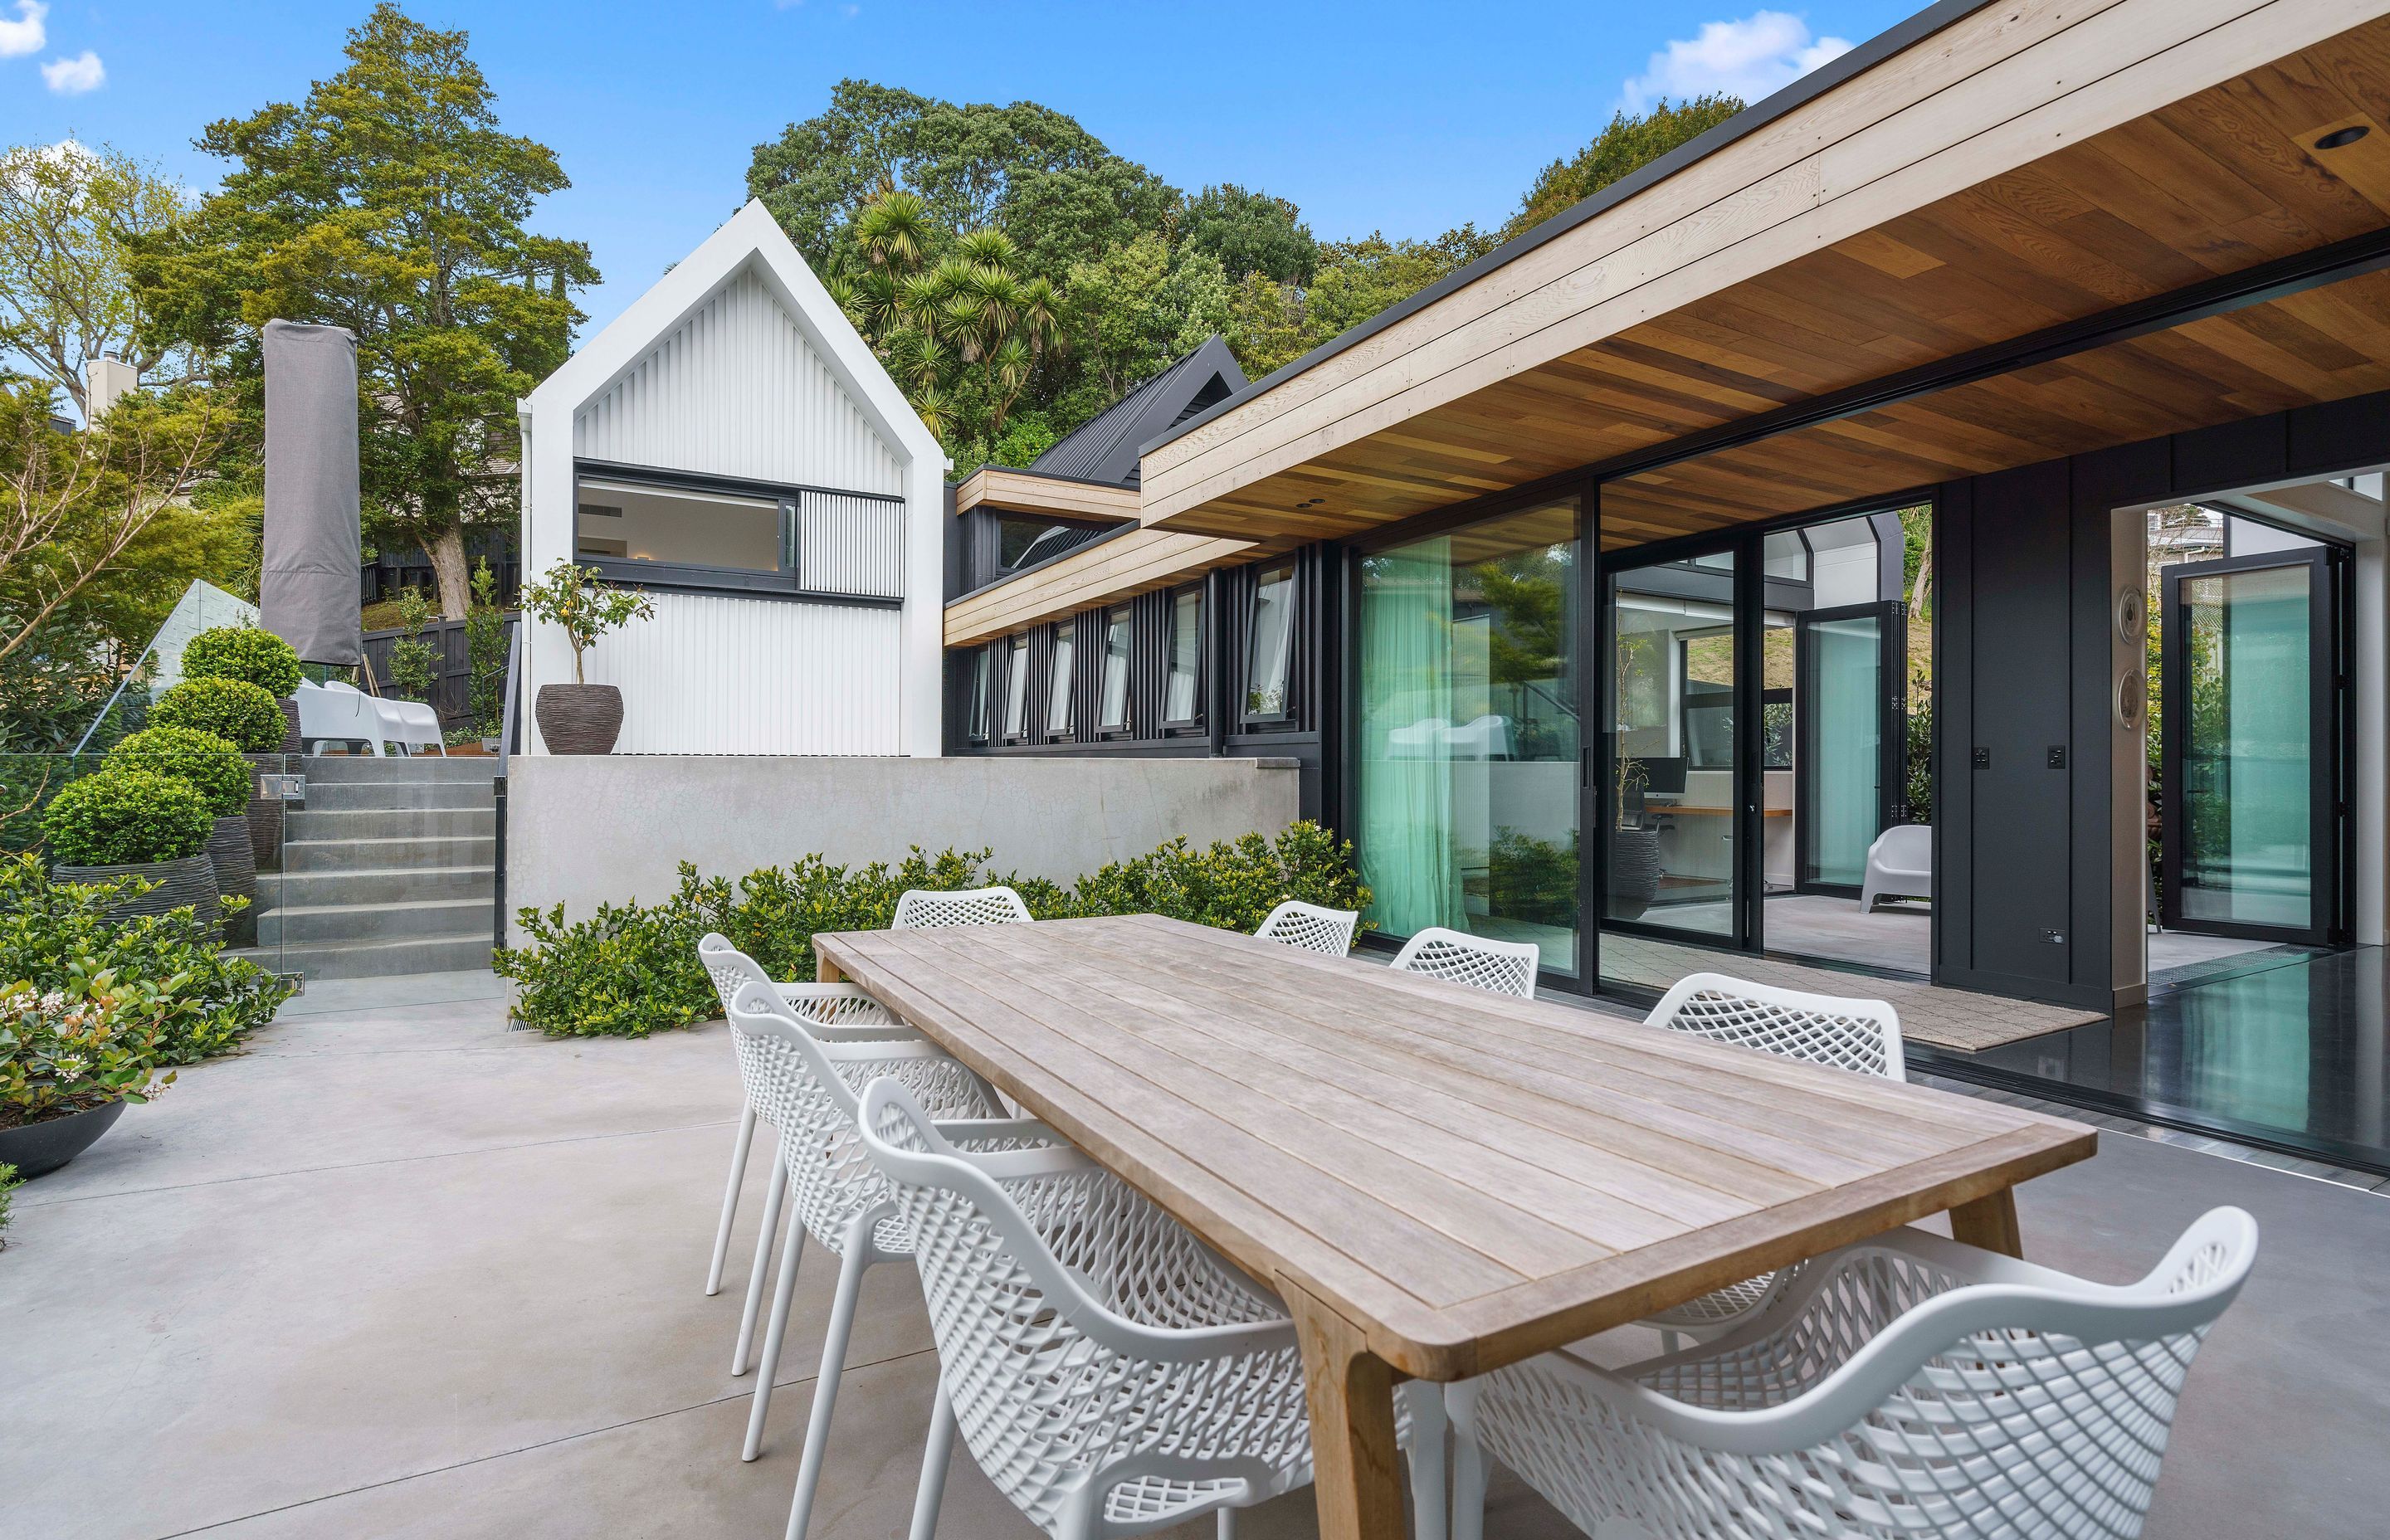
[(1954, 663)]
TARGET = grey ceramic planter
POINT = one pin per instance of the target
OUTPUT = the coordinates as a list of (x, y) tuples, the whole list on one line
[(230, 852), (190, 881), (38, 1148), (579, 719)]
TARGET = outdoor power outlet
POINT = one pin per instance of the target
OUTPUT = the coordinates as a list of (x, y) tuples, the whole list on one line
[(2058, 756), (1983, 758)]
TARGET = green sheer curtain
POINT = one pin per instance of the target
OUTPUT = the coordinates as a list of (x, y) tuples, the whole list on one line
[(1405, 772)]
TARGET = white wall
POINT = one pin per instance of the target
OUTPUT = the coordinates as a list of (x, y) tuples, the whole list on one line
[(712, 675)]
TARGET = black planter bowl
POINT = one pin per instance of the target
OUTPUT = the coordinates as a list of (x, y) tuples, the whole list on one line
[(38, 1148), (191, 880)]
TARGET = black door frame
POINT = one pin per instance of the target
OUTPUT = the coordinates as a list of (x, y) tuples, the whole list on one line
[(1891, 749), (2328, 822)]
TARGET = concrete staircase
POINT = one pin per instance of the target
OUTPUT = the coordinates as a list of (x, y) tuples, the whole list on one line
[(389, 867)]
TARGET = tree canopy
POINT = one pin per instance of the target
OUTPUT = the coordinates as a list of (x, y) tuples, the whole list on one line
[(390, 203)]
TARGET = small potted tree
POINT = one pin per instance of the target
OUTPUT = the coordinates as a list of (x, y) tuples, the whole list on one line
[(581, 718), (254, 657), (127, 822), (68, 1062), (215, 769), (248, 715)]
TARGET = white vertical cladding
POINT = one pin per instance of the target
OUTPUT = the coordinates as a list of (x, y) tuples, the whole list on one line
[(737, 389), (850, 546), (710, 674)]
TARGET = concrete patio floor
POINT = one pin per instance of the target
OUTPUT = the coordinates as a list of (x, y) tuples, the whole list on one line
[(398, 1271)]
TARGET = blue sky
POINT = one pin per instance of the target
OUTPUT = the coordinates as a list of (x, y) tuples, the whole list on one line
[(1410, 118)]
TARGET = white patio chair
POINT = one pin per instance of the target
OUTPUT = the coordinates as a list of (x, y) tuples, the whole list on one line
[(1907, 1386), (1899, 864), (932, 909), (1859, 1035), (1111, 1375), (1504, 967), (834, 1012), (806, 1088), (342, 716), (1310, 927)]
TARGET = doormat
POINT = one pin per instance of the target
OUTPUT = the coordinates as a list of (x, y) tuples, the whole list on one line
[(1955, 1019)]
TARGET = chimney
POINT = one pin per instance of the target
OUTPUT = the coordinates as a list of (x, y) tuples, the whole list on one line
[(105, 380)]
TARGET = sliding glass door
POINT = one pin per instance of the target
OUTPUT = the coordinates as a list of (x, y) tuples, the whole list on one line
[(1466, 752), (1849, 730)]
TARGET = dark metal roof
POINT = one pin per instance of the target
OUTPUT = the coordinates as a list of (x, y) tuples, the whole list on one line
[(1751, 119), (1105, 448)]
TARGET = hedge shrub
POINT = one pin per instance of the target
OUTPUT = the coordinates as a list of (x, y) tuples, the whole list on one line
[(246, 653), (232, 709), (170, 969), (632, 969), (123, 816), (211, 763)]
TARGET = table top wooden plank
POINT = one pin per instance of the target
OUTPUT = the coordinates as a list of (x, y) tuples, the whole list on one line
[(1468, 1178)]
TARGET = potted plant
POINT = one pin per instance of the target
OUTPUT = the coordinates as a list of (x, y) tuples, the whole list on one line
[(69, 1059), (249, 716), (126, 822), (216, 770), (1634, 849), (581, 718), (253, 655)]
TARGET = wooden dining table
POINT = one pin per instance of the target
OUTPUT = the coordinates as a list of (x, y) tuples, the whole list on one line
[(1438, 1181)]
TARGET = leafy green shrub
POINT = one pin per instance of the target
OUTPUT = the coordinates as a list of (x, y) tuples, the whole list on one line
[(232, 709), (123, 816), (485, 653), (63, 1052), (211, 764), (246, 653), (8, 1183), (170, 967), (413, 661), (631, 969)]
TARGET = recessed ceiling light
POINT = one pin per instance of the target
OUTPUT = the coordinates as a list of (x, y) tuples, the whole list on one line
[(2340, 138)]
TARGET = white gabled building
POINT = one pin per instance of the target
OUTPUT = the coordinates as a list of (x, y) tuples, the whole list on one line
[(731, 446)]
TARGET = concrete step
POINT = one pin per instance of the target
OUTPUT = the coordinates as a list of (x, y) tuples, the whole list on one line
[(357, 796), (344, 768), (445, 954), (351, 923), (383, 854), (389, 823), (379, 885)]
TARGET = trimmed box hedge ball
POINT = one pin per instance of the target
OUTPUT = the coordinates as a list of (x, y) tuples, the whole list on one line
[(210, 763), (232, 709), (125, 816), (245, 653)]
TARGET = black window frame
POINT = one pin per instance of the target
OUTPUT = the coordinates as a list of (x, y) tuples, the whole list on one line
[(979, 699), (1121, 617), (1058, 678), (1020, 654), (781, 583), (1194, 722), (1289, 707)]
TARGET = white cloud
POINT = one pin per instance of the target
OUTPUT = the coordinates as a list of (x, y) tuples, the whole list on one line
[(25, 35), (73, 77), (1754, 58)]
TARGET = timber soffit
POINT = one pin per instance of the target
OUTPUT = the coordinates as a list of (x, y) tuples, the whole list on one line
[(1751, 119)]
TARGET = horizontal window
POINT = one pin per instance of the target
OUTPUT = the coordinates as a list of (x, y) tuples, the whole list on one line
[(627, 521), (682, 534)]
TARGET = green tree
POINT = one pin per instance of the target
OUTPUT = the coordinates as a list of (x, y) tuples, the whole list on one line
[(69, 217), (1135, 308), (1251, 232), (1271, 325), (390, 203), (1626, 144)]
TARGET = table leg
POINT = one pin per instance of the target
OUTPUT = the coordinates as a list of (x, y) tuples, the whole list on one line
[(1990, 1222), (1357, 1463), (826, 971)]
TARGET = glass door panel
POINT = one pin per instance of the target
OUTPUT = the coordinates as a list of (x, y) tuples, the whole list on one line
[(1670, 765), (1849, 724), (2249, 719), (1467, 741)]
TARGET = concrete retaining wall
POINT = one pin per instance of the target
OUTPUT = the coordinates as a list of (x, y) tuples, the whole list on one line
[(586, 828)]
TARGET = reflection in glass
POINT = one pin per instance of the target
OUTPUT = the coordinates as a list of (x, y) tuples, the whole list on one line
[(1057, 697), (1185, 653), (979, 695), (1016, 689), (1671, 765), (2247, 825), (1269, 643), (1468, 733), (1115, 714)]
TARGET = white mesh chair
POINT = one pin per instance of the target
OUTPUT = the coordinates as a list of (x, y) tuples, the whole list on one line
[(1907, 1386), (1504, 967), (932, 909), (806, 1088), (834, 1011), (1311, 928), (1111, 1375), (1859, 1035)]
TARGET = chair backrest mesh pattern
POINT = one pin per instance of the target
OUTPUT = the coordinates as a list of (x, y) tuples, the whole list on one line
[(1030, 1278), (1505, 968), (929, 909), (1310, 927), (1859, 1035), (812, 1004), (2003, 1433), (809, 1090)]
